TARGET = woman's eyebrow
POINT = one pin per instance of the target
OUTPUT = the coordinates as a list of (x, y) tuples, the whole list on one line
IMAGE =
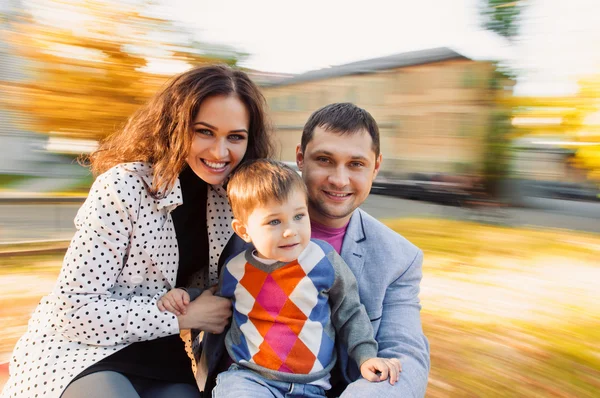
[(216, 129)]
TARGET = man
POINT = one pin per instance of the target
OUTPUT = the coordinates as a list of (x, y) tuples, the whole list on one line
[(339, 156)]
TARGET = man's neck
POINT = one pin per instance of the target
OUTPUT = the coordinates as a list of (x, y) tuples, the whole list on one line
[(327, 221)]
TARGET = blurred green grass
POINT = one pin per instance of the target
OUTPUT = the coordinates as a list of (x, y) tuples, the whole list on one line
[(508, 312)]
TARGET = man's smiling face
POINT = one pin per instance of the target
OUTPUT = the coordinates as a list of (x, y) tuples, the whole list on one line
[(338, 170)]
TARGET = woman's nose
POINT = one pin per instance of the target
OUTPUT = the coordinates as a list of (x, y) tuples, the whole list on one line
[(219, 150)]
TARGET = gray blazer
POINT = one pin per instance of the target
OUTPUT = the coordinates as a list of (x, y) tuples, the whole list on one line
[(388, 269)]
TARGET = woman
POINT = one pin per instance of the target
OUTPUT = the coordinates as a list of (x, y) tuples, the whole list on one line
[(156, 217)]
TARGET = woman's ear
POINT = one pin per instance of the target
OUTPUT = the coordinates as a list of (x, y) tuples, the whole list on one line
[(240, 229)]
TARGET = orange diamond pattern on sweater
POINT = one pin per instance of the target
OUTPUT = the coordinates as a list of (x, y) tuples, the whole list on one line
[(282, 348)]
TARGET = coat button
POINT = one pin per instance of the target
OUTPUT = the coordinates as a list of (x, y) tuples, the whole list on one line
[(137, 279)]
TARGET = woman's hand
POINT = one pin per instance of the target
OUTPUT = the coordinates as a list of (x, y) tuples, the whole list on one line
[(208, 312)]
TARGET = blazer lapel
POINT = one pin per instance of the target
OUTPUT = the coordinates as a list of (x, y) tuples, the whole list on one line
[(352, 252)]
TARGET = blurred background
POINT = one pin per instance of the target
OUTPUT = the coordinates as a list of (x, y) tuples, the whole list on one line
[(489, 112)]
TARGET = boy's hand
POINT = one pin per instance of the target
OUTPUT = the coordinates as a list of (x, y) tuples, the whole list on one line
[(175, 301), (386, 367)]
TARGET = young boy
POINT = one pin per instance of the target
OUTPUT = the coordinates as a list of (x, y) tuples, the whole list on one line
[(291, 295)]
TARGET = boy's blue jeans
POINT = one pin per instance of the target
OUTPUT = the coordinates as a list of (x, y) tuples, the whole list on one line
[(238, 382)]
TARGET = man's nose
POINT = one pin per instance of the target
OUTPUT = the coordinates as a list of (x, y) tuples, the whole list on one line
[(339, 177)]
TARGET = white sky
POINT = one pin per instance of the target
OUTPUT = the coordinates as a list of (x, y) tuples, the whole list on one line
[(560, 39)]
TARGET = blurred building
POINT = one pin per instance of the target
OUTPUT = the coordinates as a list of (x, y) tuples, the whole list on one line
[(433, 107), (25, 154), (18, 147)]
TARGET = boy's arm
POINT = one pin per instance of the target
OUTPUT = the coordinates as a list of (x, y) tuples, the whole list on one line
[(194, 292), (348, 315)]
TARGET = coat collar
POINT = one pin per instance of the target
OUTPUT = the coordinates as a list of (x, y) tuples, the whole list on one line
[(352, 252), (171, 200)]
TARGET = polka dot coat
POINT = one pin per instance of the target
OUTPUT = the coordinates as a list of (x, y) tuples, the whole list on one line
[(122, 259)]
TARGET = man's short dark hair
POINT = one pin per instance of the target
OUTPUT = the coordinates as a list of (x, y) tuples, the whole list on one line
[(343, 118)]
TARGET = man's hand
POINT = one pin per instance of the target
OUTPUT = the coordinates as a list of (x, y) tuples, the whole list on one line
[(175, 301), (387, 368)]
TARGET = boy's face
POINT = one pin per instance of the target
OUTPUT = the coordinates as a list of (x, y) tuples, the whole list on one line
[(279, 231)]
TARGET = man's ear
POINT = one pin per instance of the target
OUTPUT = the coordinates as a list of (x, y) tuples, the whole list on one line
[(377, 165), (240, 229), (299, 157)]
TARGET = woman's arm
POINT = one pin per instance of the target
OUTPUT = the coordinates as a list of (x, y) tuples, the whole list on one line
[(88, 309)]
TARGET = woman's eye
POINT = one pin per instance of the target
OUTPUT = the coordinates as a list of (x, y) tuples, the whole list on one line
[(237, 137), (204, 132)]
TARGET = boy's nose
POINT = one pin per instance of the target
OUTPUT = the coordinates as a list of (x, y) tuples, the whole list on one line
[(289, 232)]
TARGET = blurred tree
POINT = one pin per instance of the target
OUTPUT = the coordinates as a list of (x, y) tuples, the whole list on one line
[(496, 164), (501, 16), (582, 124), (88, 62)]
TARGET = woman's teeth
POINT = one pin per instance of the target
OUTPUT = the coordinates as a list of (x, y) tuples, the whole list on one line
[(214, 165)]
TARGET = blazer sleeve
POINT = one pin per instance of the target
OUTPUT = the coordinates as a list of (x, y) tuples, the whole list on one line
[(87, 309), (401, 336)]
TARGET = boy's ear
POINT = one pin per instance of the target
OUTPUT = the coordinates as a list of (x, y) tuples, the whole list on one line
[(240, 229)]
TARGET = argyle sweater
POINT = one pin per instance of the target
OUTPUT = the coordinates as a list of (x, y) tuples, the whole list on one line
[(286, 315)]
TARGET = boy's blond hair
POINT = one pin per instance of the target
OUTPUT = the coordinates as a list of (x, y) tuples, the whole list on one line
[(258, 182)]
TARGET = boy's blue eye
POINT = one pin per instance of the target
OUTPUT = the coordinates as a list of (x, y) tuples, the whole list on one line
[(298, 217), (274, 222)]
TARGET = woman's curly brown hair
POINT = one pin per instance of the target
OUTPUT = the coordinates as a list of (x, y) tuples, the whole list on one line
[(161, 131)]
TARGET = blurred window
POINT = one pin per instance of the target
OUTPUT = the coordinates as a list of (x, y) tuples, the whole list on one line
[(274, 104), (292, 103), (471, 77), (352, 94)]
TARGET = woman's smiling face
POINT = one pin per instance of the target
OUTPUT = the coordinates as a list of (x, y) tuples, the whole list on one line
[(220, 138)]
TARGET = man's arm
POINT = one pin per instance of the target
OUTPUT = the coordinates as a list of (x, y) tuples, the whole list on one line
[(400, 336)]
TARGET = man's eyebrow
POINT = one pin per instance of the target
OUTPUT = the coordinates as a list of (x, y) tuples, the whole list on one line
[(353, 157), (214, 128)]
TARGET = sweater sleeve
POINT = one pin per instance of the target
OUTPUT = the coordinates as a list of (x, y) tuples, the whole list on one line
[(348, 315)]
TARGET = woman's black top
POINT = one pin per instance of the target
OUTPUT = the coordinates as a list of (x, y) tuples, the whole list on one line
[(165, 358)]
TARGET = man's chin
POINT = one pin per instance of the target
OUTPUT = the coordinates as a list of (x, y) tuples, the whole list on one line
[(336, 214)]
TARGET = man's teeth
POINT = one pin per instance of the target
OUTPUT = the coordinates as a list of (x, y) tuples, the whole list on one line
[(339, 195), (215, 165)]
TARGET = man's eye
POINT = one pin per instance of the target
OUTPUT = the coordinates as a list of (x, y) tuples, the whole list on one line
[(274, 222), (298, 217), (356, 164), (323, 160)]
